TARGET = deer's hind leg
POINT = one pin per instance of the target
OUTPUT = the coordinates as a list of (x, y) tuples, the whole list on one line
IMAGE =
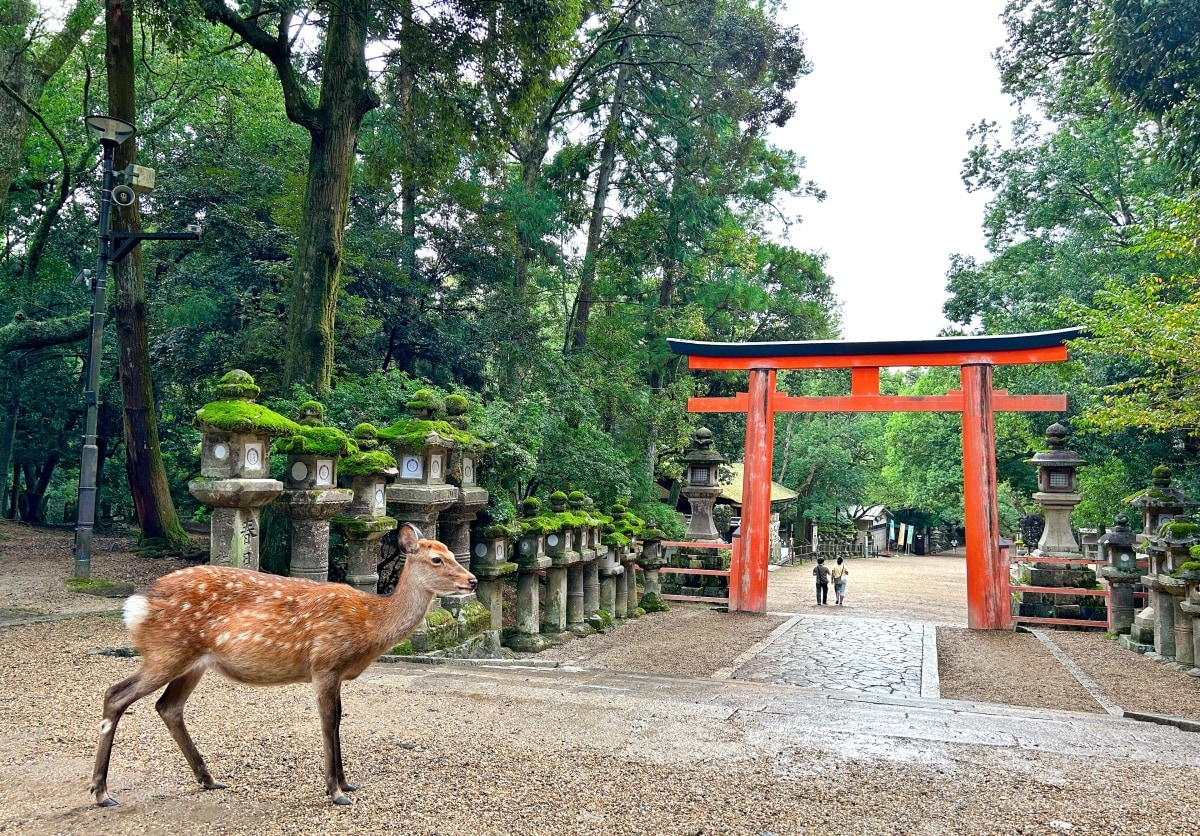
[(116, 700), (170, 708)]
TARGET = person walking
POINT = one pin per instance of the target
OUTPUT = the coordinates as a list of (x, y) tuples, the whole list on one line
[(839, 574), (821, 573)]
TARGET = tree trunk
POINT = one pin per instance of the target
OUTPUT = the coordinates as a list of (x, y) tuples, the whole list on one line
[(345, 98), (608, 157), (8, 434), (25, 72), (157, 519)]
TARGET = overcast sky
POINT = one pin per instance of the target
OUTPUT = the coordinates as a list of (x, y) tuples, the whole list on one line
[(882, 121)]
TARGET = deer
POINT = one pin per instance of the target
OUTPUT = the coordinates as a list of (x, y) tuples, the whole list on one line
[(261, 629)]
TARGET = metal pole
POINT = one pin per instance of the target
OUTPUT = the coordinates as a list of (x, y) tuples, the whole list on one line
[(85, 519)]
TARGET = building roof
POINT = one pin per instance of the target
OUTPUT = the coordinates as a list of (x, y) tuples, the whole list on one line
[(732, 492), (868, 512)]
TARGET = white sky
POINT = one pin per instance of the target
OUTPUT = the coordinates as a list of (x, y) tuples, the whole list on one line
[(882, 121)]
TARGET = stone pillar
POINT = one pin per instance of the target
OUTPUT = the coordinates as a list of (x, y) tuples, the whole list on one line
[(1184, 653), (592, 553), (562, 558), (621, 604), (235, 467)]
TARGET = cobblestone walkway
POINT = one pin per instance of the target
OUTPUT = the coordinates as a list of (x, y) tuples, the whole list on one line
[(861, 655)]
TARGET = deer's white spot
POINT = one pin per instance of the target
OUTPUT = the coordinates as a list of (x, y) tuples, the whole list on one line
[(243, 636), (277, 593), (221, 639), (202, 587), (106, 727), (185, 606)]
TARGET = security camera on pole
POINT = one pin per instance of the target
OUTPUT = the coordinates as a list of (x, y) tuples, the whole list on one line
[(120, 188)]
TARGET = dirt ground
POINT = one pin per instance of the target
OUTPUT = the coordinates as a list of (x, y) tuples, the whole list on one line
[(696, 640)]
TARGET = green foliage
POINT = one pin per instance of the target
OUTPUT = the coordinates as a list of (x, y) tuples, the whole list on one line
[(325, 441), (245, 417)]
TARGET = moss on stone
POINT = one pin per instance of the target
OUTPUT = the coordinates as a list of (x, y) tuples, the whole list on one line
[(496, 531), (1190, 566), (1178, 529), (367, 464), (425, 401), (237, 385), (456, 404), (405, 648), (357, 528), (237, 416), (653, 602), (478, 617), (317, 441), (410, 433), (541, 524)]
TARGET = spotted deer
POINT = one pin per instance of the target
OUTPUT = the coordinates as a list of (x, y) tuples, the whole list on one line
[(261, 629)]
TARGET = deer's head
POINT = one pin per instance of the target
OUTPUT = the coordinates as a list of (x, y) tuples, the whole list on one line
[(430, 565)]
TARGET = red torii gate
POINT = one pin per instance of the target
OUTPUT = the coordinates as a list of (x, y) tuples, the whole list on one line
[(987, 575)]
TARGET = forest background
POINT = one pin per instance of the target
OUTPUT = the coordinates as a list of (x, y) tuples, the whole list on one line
[(519, 201)]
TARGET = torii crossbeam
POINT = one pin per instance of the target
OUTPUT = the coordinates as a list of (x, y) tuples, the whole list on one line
[(987, 577)]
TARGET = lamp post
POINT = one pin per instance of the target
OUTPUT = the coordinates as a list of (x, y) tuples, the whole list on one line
[(111, 132)]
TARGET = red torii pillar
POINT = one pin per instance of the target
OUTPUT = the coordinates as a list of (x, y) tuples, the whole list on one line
[(987, 575)]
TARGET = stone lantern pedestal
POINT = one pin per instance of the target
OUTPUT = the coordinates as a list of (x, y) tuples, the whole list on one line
[(235, 467), (610, 571)]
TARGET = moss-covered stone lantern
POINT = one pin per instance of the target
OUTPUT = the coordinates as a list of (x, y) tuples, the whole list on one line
[(235, 467), (1167, 538), (365, 521), (466, 457), (1120, 571), (652, 560), (311, 496), (1189, 573), (594, 553), (531, 559), (564, 561), (423, 445), (491, 562)]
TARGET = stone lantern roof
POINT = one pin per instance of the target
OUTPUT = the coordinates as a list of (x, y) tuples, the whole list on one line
[(1056, 456), (366, 459), (701, 450), (1160, 494), (235, 410)]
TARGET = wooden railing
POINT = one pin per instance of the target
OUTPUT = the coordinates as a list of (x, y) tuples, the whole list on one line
[(676, 570)]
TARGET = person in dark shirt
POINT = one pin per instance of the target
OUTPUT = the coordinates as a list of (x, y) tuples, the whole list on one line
[(821, 573)]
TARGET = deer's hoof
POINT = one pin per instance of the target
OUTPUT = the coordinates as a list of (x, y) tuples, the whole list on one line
[(348, 787), (215, 785), (343, 800), (107, 801)]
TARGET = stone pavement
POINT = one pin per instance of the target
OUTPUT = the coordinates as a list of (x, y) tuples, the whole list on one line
[(856, 655)]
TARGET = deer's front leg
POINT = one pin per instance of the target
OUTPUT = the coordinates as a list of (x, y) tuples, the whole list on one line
[(329, 703)]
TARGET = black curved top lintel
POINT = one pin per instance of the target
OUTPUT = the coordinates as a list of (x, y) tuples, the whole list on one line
[(845, 348)]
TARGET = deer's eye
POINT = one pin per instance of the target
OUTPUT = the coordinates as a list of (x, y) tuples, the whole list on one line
[(436, 561)]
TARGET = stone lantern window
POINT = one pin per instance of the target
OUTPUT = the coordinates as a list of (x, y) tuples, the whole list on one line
[(699, 475), (1059, 480)]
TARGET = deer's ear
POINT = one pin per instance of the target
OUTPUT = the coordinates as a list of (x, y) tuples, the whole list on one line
[(409, 535)]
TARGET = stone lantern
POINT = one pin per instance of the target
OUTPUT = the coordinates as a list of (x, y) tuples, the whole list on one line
[(594, 553), (652, 560), (560, 548), (1160, 505), (531, 558), (1169, 551), (423, 446), (311, 496), (463, 472), (365, 522), (1121, 572), (1189, 573), (700, 484), (491, 562), (235, 467), (626, 527), (1058, 496)]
